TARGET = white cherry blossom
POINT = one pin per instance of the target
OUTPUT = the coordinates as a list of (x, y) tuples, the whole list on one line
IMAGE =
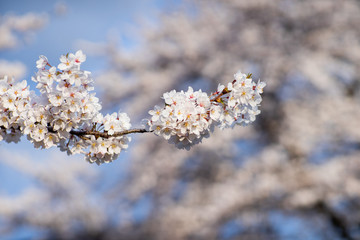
[(42, 62)]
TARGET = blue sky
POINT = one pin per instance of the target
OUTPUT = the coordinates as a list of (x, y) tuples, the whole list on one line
[(84, 20)]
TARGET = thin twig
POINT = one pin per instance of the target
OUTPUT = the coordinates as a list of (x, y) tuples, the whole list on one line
[(106, 135), (82, 133)]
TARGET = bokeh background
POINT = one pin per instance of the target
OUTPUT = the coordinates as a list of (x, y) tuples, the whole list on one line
[(294, 174)]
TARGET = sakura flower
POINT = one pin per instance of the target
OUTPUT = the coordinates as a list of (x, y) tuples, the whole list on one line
[(65, 64), (19, 90), (8, 101), (260, 86), (42, 62), (58, 124), (78, 57), (114, 147), (170, 97), (38, 133), (203, 100), (76, 77), (102, 145), (124, 142), (94, 144), (124, 121), (155, 113), (111, 124), (252, 113), (78, 147), (50, 140), (48, 76), (215, 112), (56, 99)]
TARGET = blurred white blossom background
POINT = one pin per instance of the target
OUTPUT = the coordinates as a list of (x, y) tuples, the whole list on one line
[(294, 174)]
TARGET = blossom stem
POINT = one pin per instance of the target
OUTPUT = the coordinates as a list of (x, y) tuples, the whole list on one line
[(82, 133), (106, 135)]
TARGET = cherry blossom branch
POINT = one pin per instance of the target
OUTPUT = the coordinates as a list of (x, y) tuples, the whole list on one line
[(67, 114)]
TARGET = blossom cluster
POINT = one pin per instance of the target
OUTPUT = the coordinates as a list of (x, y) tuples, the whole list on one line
[(14, 104), (188, 117), (184, 120), (63, 114)]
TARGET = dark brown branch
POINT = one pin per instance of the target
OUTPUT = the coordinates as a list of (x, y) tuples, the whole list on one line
[(106, 135), (82, 133)]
